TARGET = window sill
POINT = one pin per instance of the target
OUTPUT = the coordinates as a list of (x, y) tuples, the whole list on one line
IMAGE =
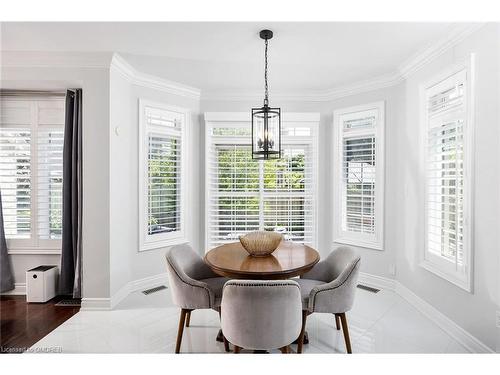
[(358, 243), (162, 244), (463, 283), (33, 251)]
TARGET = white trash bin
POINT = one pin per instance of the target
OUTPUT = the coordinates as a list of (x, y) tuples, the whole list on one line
[(41, 283)]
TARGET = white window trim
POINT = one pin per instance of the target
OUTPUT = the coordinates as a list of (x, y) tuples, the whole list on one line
[(213, 119), (34, 245), (348, 238), (177, 237), (428, 261)]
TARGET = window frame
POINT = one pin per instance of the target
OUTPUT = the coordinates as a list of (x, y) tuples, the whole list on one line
[(375, 241), (438, 265), (243, 119), (156, 241), (35, 245)]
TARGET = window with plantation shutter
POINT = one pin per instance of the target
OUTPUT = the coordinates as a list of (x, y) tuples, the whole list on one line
[(31, 147), (162, 171), (447, 251), (359, 175), (245, 195)]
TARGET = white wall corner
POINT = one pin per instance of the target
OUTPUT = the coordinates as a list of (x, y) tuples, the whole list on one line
[(119, 296)]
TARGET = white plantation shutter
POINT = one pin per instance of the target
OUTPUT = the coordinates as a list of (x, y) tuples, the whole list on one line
[(359, 175), (445, 170), (49, 183), (288, 195), (234, 202), (162, 167), (358, 184), (31, 146), (246, 195), (164, 183), (15, 181)]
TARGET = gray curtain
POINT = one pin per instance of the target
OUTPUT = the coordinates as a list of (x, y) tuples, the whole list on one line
[(6, 277), (71, 265)]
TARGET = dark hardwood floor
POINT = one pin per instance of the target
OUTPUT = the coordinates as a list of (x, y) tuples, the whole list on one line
[(23, 324)]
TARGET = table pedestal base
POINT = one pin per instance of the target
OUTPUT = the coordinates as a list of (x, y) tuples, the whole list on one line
[(219, 337)]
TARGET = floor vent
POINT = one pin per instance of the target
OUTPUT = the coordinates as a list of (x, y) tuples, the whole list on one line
[(154, 290), (69, 303), (368, 288)]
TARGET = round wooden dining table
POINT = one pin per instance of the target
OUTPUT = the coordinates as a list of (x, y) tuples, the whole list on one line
[(290, 259)]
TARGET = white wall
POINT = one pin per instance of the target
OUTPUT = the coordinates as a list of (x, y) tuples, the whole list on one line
[(127, 263), (43, 71), (373, 261), (475, 311)]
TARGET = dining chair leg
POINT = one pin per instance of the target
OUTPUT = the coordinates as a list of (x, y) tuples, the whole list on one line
[(226, 343), (337, 322), (236, 349), (188, 318), (285, 349), (300, 343), (182, 321), (343, 319)]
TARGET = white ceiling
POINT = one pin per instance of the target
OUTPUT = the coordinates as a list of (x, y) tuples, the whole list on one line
[(229, 56)]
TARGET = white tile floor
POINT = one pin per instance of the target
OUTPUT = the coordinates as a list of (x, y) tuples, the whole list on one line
[(378, 323)]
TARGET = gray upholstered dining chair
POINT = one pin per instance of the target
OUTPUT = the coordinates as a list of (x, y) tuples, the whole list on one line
[(261, 314), (330, 288), (193, 286)]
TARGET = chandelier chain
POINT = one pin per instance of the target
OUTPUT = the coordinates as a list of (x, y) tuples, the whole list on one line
[(266, 94)]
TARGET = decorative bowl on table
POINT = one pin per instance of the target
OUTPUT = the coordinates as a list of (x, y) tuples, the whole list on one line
[(261, 243)]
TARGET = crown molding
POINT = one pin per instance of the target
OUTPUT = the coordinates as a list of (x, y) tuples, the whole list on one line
[(456, 35), (376, 83), (121, 66), (425, 56), (40, 59)]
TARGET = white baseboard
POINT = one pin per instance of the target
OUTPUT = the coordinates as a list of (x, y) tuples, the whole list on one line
[(149, 282), (449, 326), (92, 304), (376, 281), (119, 296), (19, 290), (137, 285)]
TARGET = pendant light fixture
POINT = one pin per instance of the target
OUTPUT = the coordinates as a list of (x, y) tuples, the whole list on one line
[(266, 121)]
